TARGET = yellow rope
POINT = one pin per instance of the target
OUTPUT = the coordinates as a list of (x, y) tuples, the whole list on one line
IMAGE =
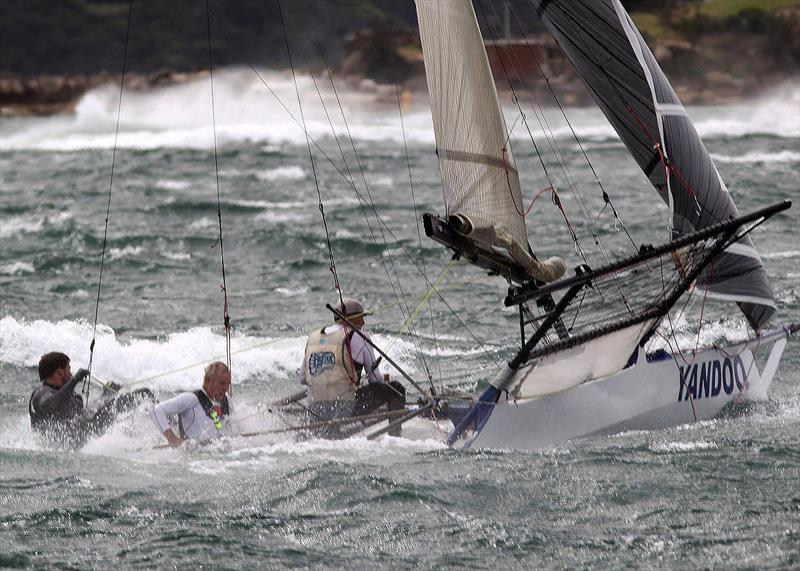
[(410, 319)]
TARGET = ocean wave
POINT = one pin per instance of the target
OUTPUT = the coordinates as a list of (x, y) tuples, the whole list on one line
[(174, 363), (169, 184), (17, 268), (781, 255), (125, 252), (278, 173), (247, 113), (15, 225), (784, 156)]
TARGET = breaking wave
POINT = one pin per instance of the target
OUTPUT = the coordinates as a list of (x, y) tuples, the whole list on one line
[(173, 363), (247, 112)]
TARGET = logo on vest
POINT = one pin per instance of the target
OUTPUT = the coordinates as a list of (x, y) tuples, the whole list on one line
[(321, 362), (705, 380)]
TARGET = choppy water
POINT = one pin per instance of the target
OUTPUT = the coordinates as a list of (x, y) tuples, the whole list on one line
[(712, 494)]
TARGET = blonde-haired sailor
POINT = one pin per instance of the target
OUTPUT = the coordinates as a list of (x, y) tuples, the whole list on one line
[(202, 413)]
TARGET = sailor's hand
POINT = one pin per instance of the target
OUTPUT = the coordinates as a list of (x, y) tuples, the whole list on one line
[(81, 374), (173, 439)]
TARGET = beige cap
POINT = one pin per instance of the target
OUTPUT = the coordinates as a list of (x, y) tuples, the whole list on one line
[(352, 308)]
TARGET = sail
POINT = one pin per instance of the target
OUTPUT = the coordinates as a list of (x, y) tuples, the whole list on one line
[(627, 83), (479, 176)]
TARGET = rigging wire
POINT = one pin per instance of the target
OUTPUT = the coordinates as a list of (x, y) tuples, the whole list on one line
[(401, 297), (381, 221), (558, 204), (552, 141), (86, 382), (606, 198), (489, 354), (566, 170), (224, 287), (419, 232), (331, 258)]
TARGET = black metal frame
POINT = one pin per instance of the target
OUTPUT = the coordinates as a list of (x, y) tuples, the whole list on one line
[(531, 291), (725, 233)]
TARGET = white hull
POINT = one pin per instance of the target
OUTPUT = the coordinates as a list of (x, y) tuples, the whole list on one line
[(648, 395)]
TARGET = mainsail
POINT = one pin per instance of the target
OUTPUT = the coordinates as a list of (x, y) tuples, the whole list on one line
[(627, 83), (479, 176)]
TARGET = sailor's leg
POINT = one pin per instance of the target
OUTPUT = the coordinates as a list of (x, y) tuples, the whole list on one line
[(373, 396)]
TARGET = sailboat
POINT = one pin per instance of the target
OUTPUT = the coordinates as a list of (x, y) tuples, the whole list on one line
[(583, 367)]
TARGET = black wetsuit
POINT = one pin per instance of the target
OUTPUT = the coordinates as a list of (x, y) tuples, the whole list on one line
[(58, 414)]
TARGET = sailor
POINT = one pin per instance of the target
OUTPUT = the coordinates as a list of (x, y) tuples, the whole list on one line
[(58, 414), (202, 413), (335, 358)]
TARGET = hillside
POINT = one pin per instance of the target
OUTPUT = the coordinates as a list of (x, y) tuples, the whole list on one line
[(51, 52)]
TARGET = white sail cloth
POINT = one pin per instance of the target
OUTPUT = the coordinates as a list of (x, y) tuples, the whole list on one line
[(569, 368), (479, 176)]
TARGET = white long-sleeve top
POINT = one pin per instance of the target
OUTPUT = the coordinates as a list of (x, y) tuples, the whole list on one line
[(196, 423), (360, 351)]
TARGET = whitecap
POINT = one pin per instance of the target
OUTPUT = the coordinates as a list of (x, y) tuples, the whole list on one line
[(17, 268), (126, 252), (282, 217), (177, 256), (202, 223), (169, 184), (683, 446), (26, 224), (278, 173), (781, 255), (784, 156)]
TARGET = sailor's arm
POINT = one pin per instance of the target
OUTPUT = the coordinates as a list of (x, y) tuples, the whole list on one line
[(162, 412), (48, 402), (363, 355)]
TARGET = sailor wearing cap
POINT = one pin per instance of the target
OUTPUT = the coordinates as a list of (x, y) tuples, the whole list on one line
[(335, 358)]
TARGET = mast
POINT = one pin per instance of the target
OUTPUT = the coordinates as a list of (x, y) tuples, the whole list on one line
[(617, 66)]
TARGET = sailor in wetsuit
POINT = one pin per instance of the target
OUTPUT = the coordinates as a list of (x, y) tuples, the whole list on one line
[(335, 357), (200, 413), (58, 414)]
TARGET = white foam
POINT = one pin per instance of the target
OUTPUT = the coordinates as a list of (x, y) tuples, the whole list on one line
[(247, 113), (282, 217), (177, 256), (171, 364), (126, 252), (169, 184), (784, 156), (781, 255), (174, 363), (683, 446), (15, 225), (17, 268), (202, 223), (286, 292), (287, 173), (683, 335)]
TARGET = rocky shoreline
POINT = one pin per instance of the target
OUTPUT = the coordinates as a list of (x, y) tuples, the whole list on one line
[(45, 95)]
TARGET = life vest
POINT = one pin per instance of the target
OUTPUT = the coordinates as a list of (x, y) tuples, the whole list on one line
[(328, 366), (210, 410)]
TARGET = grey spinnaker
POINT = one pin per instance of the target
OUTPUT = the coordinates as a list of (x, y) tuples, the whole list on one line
[(613, 60)]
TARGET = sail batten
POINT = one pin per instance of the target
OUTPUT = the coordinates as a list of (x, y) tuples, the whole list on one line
[(624, 78)]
